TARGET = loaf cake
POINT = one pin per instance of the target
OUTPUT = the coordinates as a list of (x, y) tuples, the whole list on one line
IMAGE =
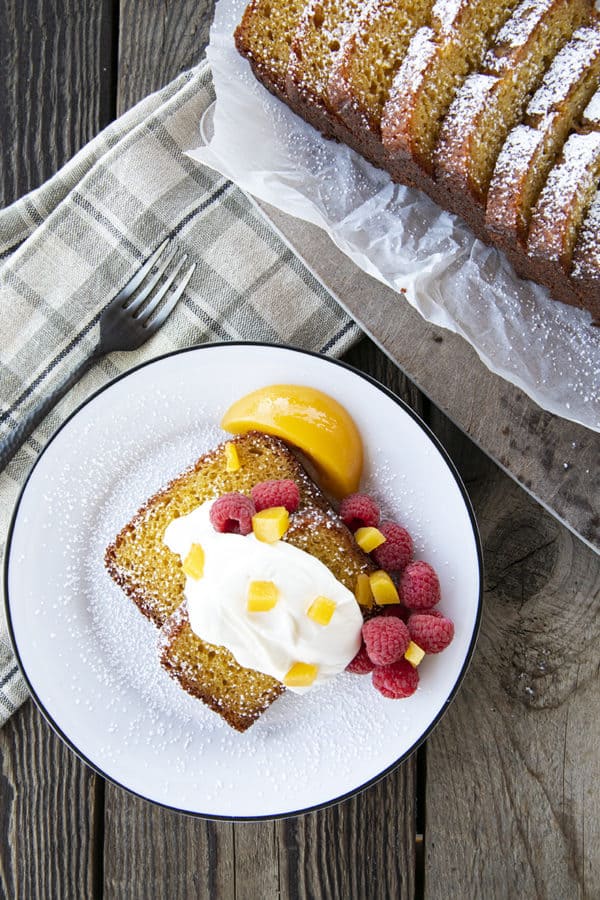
[(152, 576), (489, 106)]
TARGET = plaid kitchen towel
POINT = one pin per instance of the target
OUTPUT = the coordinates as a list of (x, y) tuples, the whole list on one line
[(68, 247)]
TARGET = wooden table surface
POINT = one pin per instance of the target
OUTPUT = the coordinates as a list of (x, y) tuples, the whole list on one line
[(502, 801)]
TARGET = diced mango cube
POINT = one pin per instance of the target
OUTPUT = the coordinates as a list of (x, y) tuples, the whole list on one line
[(269, 525), (321, 610), (193, 564), (414, 654), (369, 538), (232, 460), (262, 596), (384, 589), (300, 675), (362, 590)]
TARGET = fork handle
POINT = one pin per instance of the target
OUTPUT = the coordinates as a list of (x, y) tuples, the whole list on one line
[(17, 437)]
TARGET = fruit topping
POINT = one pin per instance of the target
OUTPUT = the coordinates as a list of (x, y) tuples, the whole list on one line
[(386, 639), (431, 632), (397, 680), (321, 610), (419, 586), (232, 514), (362, 590), (269, 525), (368, 538), (359, 511), (262, 596), (395, 554), (279, 492), (232, 460), (300, 675), (383, 588), (193, 564), (414, 654), (310, 420), (362, 664)]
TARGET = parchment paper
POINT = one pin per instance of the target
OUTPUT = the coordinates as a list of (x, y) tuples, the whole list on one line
[(549, 350)]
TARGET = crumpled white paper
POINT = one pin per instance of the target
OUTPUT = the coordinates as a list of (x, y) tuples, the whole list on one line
[(399, 236)]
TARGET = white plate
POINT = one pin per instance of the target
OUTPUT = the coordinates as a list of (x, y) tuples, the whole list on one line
[(90, 658)]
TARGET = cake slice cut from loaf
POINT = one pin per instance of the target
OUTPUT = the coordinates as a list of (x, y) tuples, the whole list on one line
[(437, 61), (492, 101), (211, 673), (264, 36), (371, 52), (140, 562), (532, 146), (586, 257), (315, 45), (151, 575), (564, 202)]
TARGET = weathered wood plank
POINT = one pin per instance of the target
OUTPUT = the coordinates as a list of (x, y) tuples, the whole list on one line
[(151, 852), (553, 459), (50, 813), (158, 41), (363, 847), (512, 770), (57, 89)]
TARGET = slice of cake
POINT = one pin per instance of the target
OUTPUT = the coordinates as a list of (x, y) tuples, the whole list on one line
[(153, 575), (438, 59), (492, 101), (371, 52), (532, 146), (264, 36)]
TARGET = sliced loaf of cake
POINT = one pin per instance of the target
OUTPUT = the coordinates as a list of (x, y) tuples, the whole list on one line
[(371, 52), (492, 101), (264, 36), (564, 202), (437, 61), (531, 147)]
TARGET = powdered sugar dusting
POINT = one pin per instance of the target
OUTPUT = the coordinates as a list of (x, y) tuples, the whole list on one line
[(93, 658)]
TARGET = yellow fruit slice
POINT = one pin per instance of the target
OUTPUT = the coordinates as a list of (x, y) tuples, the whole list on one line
[(262, 596), (301, 674), (310, 420), (269, 525), (193, 564), (321, 610), (232, 460), (368, 538), (384, 589), (414, 654)]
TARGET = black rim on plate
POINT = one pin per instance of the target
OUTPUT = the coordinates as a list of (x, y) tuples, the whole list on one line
[(466, 500)]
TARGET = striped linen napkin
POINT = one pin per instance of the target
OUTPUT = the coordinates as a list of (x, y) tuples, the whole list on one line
[(68, 247)]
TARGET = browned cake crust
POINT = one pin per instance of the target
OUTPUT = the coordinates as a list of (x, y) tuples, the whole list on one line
[(151, 575), (211, 673), (138, 560), (490, 57)]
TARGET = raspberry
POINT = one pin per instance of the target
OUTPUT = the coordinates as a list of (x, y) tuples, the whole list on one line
[(431, 631), (281, 492), (397, 551), (419, 586), (397, 680), (232, 514), (386, 639), (361, 664), (359, 511)]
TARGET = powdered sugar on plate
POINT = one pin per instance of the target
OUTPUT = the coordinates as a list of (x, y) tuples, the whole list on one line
[(399, 236), (91, 657)]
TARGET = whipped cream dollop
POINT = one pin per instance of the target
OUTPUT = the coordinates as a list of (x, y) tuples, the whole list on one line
[(272, 641)]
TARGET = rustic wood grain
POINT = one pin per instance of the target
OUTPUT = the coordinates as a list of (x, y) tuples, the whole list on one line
[(513, 769), (157, 41), (50, 814), (361, 848), (151, 852), (553, 459), (56, 86)]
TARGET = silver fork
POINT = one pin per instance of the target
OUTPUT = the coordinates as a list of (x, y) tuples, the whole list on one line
[(125, 324)]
